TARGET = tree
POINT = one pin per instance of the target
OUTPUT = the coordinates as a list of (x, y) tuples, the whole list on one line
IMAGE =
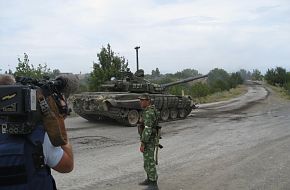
[(155, 73), (287, 85), (109, 65), (27, 70), (218, 80), (199, 90), (280, 76), (55, 73), (276, 76), (256, 75), (246, 75), (186, 73), (235, 79)]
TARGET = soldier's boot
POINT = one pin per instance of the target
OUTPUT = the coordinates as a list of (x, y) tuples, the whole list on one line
[(145, 182), (152, 185)]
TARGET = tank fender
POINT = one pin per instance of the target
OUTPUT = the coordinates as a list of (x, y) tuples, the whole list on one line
[(111, 101)]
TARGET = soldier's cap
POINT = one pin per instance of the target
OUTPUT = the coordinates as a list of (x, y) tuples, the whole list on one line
[(144, 97)]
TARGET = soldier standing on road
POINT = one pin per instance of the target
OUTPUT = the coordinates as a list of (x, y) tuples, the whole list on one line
[(148, 136)]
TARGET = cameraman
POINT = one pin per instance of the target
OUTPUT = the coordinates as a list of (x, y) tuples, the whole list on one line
[(35, 172)]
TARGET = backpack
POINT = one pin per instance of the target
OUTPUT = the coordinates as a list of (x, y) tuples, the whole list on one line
[(22, 164)]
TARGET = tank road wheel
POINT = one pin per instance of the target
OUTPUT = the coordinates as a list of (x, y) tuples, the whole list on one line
[(133, 117), (173, 113), (164, 114), (182, 113)]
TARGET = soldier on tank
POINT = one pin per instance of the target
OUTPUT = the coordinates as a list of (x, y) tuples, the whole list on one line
[(148, 136)]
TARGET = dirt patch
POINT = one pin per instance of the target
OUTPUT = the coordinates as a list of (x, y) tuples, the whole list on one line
[(92, 142)]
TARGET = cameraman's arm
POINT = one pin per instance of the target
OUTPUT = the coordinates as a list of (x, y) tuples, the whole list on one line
[(58, 158), (66, 164)]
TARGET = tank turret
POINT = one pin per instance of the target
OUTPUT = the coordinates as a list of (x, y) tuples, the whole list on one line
[(136, 83)]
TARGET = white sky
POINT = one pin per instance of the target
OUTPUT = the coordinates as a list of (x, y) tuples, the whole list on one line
[(173, 34)]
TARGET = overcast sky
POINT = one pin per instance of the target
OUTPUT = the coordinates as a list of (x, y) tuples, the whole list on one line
[(173, 34)]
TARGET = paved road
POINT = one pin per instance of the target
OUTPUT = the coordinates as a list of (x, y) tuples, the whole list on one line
[(239, 144)]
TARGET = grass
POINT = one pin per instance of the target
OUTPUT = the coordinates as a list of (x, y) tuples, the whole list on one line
[(281, 91), (224, 95)]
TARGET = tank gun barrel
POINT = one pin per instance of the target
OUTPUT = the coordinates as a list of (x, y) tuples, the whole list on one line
[(183, 81)]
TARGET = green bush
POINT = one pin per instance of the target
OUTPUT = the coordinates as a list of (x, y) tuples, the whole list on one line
[(276, 76), (287, 87), (199, 90)]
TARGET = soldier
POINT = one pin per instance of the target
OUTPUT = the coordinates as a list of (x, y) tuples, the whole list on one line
[(148, 136)]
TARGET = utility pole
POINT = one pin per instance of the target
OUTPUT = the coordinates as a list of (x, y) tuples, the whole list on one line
[(136, 48)]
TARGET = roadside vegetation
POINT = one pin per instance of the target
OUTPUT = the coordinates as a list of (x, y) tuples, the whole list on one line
[(224, 95), (26, 69), (220, 85), (279, 79)]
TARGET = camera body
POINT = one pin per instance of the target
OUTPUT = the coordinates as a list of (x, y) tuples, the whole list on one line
[(18, 109)]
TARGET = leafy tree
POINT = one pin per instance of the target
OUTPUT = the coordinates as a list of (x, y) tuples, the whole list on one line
[(256, 75), (176, 90), (270, 76), (199, 90), (276, 76), (25, 69), (287, 84), (281, 76), (218, 80), (109, 65), (288, 77), (246, 75), (55, 73), (164, 79), (84, 83), (155, 73), (235, 79), (186, 73)]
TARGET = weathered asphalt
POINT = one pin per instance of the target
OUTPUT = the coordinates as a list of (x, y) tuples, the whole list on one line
[(238, 144)]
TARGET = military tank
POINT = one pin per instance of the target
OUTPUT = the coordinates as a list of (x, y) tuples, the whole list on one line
[(118, 100)]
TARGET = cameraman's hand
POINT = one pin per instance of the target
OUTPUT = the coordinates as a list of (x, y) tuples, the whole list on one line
[(63, 103)]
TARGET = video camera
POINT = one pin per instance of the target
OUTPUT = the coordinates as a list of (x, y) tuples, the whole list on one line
[(19, 107)]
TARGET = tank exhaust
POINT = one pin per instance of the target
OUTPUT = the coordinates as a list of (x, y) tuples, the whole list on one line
[(137, 48)]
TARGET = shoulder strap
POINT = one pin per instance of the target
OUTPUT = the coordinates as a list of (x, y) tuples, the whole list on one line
[(152, 107), (36, 138)]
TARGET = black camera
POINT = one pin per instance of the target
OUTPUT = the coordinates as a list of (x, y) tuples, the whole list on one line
[(18, 109)]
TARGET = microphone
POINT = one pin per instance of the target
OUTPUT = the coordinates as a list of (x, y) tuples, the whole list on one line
[(6, 79), (67, 84)]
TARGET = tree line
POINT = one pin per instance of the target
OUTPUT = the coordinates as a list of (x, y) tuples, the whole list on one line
[(24, 68), (278, 77), (110, 64)]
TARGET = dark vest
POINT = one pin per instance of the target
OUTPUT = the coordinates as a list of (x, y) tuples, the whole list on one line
[(21, 162)]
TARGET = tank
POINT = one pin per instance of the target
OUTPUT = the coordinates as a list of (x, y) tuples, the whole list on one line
[(118, 100)]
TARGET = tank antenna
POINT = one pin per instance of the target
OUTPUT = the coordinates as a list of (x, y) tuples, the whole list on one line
[(136, 48)]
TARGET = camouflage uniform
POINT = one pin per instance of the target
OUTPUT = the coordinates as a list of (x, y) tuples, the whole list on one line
[(148, 137)]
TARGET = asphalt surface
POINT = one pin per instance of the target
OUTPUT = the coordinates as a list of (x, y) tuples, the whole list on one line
[(243, 143)]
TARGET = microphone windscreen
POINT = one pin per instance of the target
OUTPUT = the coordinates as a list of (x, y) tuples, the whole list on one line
[(6, 79), (70, 82)]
